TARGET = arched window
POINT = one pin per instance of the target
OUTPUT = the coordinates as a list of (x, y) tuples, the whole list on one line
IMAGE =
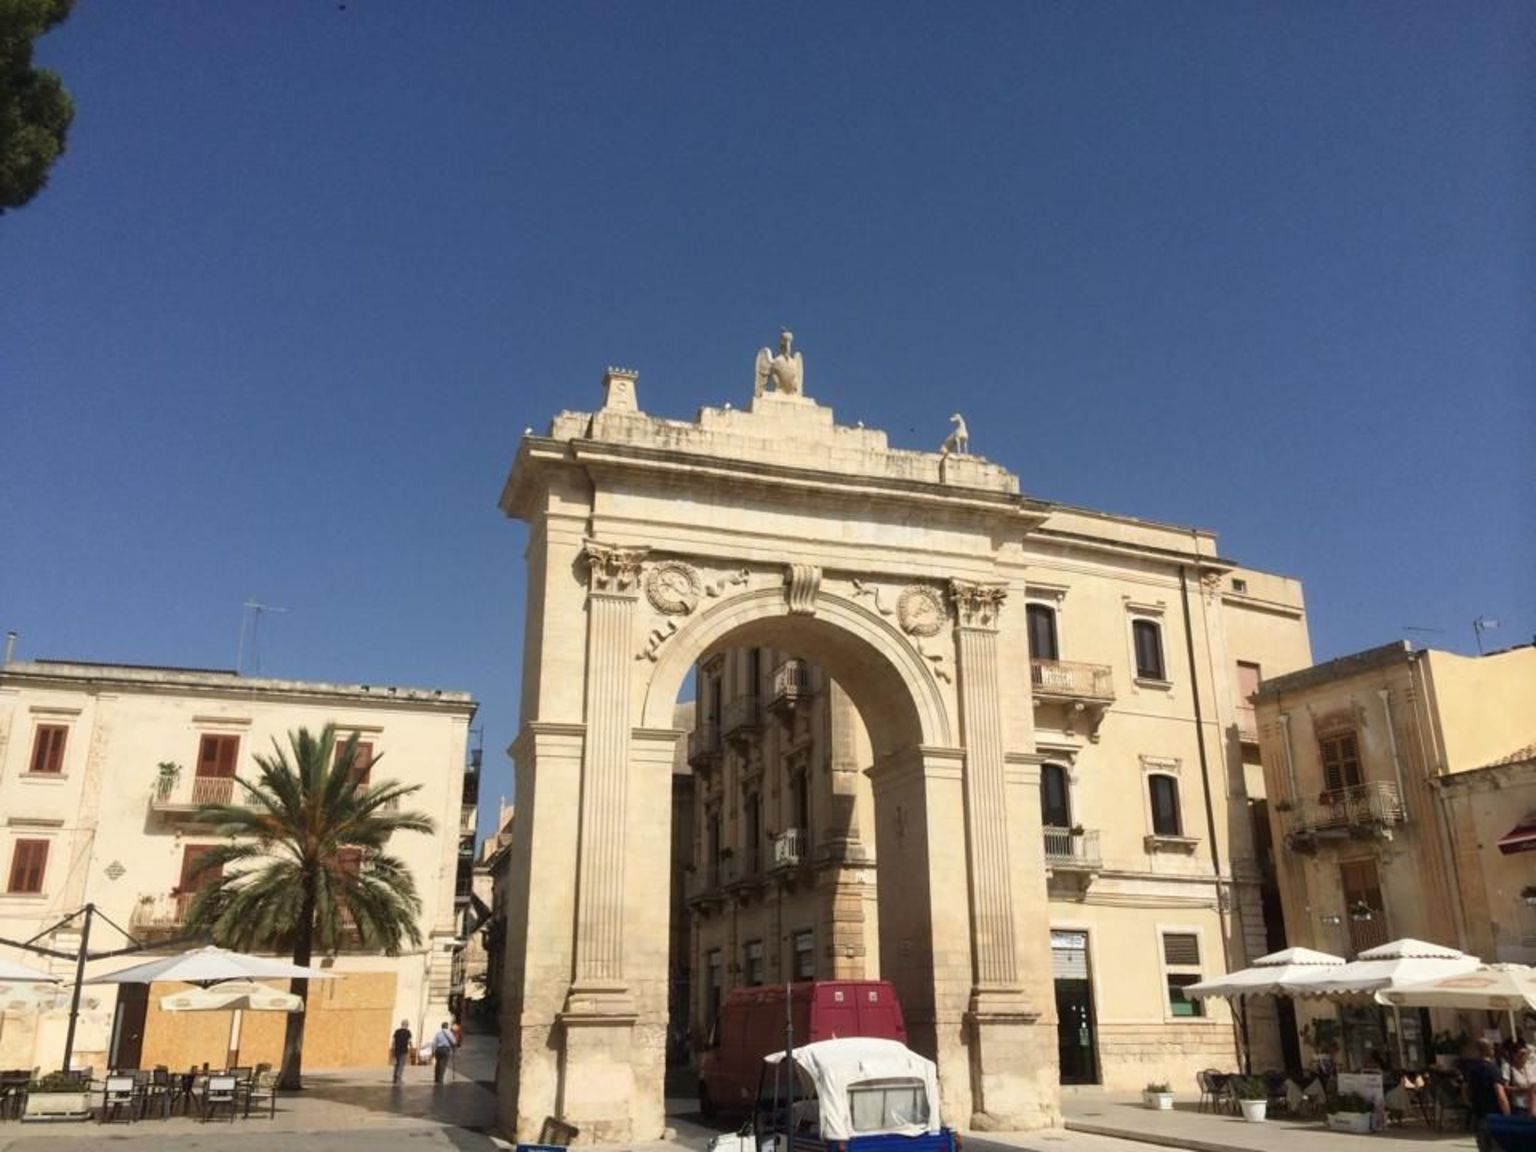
[(1055, 802), (1164, 793)]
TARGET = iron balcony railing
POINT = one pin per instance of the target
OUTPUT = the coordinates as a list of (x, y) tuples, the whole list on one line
[(161, 914), (703, 744), (1367, 929), (791, 683), (191, 793), (1077, 681), (790, 847), (1359, 807), (1067, 848)]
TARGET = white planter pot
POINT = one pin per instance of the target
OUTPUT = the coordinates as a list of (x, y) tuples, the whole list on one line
[(1357, 1122), (1254, 1110), (58, 1106), (1158, 1101)]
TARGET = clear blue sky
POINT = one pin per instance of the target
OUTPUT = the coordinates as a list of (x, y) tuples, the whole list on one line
[(306, 273)]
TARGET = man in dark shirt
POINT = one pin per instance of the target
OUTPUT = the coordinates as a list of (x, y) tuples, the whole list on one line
[(1486, 1095), (400, 1048)]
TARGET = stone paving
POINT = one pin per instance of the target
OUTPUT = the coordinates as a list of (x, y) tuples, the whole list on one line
[(360, 1111)]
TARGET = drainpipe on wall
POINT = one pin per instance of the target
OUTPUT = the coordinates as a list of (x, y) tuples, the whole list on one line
[(1397, 764), (1210, 807)]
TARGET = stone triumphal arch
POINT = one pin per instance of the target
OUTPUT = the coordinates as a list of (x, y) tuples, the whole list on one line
[(653, 543)]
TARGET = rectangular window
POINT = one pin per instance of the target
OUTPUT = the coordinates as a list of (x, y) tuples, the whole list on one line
[(881, 1105), (1148, 635), (712, 848), (1042, 632), (805, 955), (29, 860), (754, 834), (802, 800), (217, 756), (1164, 792), (362, 760), (1341, 762), (1181, 962), (753, 974), (48, 748)]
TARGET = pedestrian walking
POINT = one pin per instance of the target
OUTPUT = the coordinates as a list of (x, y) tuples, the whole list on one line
[(400, 1049), (442, 1049)]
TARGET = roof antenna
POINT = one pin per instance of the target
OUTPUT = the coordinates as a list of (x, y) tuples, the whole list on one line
[(251, 610)]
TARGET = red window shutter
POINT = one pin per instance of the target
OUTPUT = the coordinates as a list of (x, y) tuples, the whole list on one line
[(48, 748), (229, 752), (29, 860), (362, 763), (350, 861), (191, 859), (216, 756)]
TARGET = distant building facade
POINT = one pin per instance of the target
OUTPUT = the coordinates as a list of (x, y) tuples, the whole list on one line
[(1402, 788), (1159, 869), (102, 769)]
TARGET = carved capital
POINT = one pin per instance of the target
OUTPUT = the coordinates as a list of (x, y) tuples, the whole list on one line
[(611, 568), (977, 605), (801, 582)]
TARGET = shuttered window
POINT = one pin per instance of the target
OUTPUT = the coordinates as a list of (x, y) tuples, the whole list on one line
[(48, 748), (362, 761), (29, 860), (1164, 794), (1181, 963), (1149, 650), (754, 965), (217, 756), (1341, 761), (805, 955), (1042, 631)]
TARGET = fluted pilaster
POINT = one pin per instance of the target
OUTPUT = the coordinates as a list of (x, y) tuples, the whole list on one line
[(977, 607)]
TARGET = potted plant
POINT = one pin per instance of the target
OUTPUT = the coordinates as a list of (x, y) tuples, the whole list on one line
[(1157, 1096), (1350, 1112), (168, 773), (58, 1096), (1253, 1096)]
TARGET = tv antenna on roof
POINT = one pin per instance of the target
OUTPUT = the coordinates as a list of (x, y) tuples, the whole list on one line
[(1481, 625), (251, 611)]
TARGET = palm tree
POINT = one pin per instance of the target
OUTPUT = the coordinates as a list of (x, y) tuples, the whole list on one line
[(305, 864)]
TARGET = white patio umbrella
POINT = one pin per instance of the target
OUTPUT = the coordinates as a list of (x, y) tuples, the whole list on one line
[(209, 966), (1508, 988), (1267, 976), (237, 996), (1394, 965), (20, 974)]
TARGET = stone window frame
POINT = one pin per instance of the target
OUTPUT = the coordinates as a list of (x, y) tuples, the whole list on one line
[(1153, 612), (1165, 970), (1065, 756), (796, 951), (1054, 598), (1155, 841), (30, 834), (753, 952)]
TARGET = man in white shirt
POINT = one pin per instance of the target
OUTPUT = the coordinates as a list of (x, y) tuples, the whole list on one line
[(442, 1048)]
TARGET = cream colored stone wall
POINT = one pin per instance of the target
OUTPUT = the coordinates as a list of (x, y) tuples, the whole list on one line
[(1485, 707), (111, 846)]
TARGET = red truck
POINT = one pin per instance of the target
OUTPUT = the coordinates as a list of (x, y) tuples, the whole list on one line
[(751, 1025)]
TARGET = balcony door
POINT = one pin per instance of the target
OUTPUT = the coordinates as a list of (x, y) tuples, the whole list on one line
[(1055, 799), (1042, 632), (128, 1028), (1363, 906)]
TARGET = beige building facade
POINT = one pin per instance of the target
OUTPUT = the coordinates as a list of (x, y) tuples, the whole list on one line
[(907, 577), (102, 768), (1394, 774)]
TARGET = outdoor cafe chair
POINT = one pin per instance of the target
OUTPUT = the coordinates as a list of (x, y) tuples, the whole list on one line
[(220, 1092), (1207, 1090), (120, 1097), (159, 1092), (262, 1091)]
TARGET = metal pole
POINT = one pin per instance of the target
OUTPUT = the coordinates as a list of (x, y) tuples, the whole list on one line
[(74, 1001), (788, 1068)]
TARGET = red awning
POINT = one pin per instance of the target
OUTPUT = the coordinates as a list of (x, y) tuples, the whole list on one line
[(1520, 838)]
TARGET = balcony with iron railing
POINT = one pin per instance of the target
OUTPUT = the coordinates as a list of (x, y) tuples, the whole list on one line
[(791, 686), (1065, 679), (704, 745), (1367, 929), (743, 717), (159, 916), (1072, 849), (1357, 811), (178, 799), (791, 848)]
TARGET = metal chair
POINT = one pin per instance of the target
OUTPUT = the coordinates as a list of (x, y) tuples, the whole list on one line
[(263, 1090), (221, 1092), (119, 1097), (1207, 1092)]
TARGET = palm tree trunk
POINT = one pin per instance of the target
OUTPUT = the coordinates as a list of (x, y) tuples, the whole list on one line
[(291, 1079)]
